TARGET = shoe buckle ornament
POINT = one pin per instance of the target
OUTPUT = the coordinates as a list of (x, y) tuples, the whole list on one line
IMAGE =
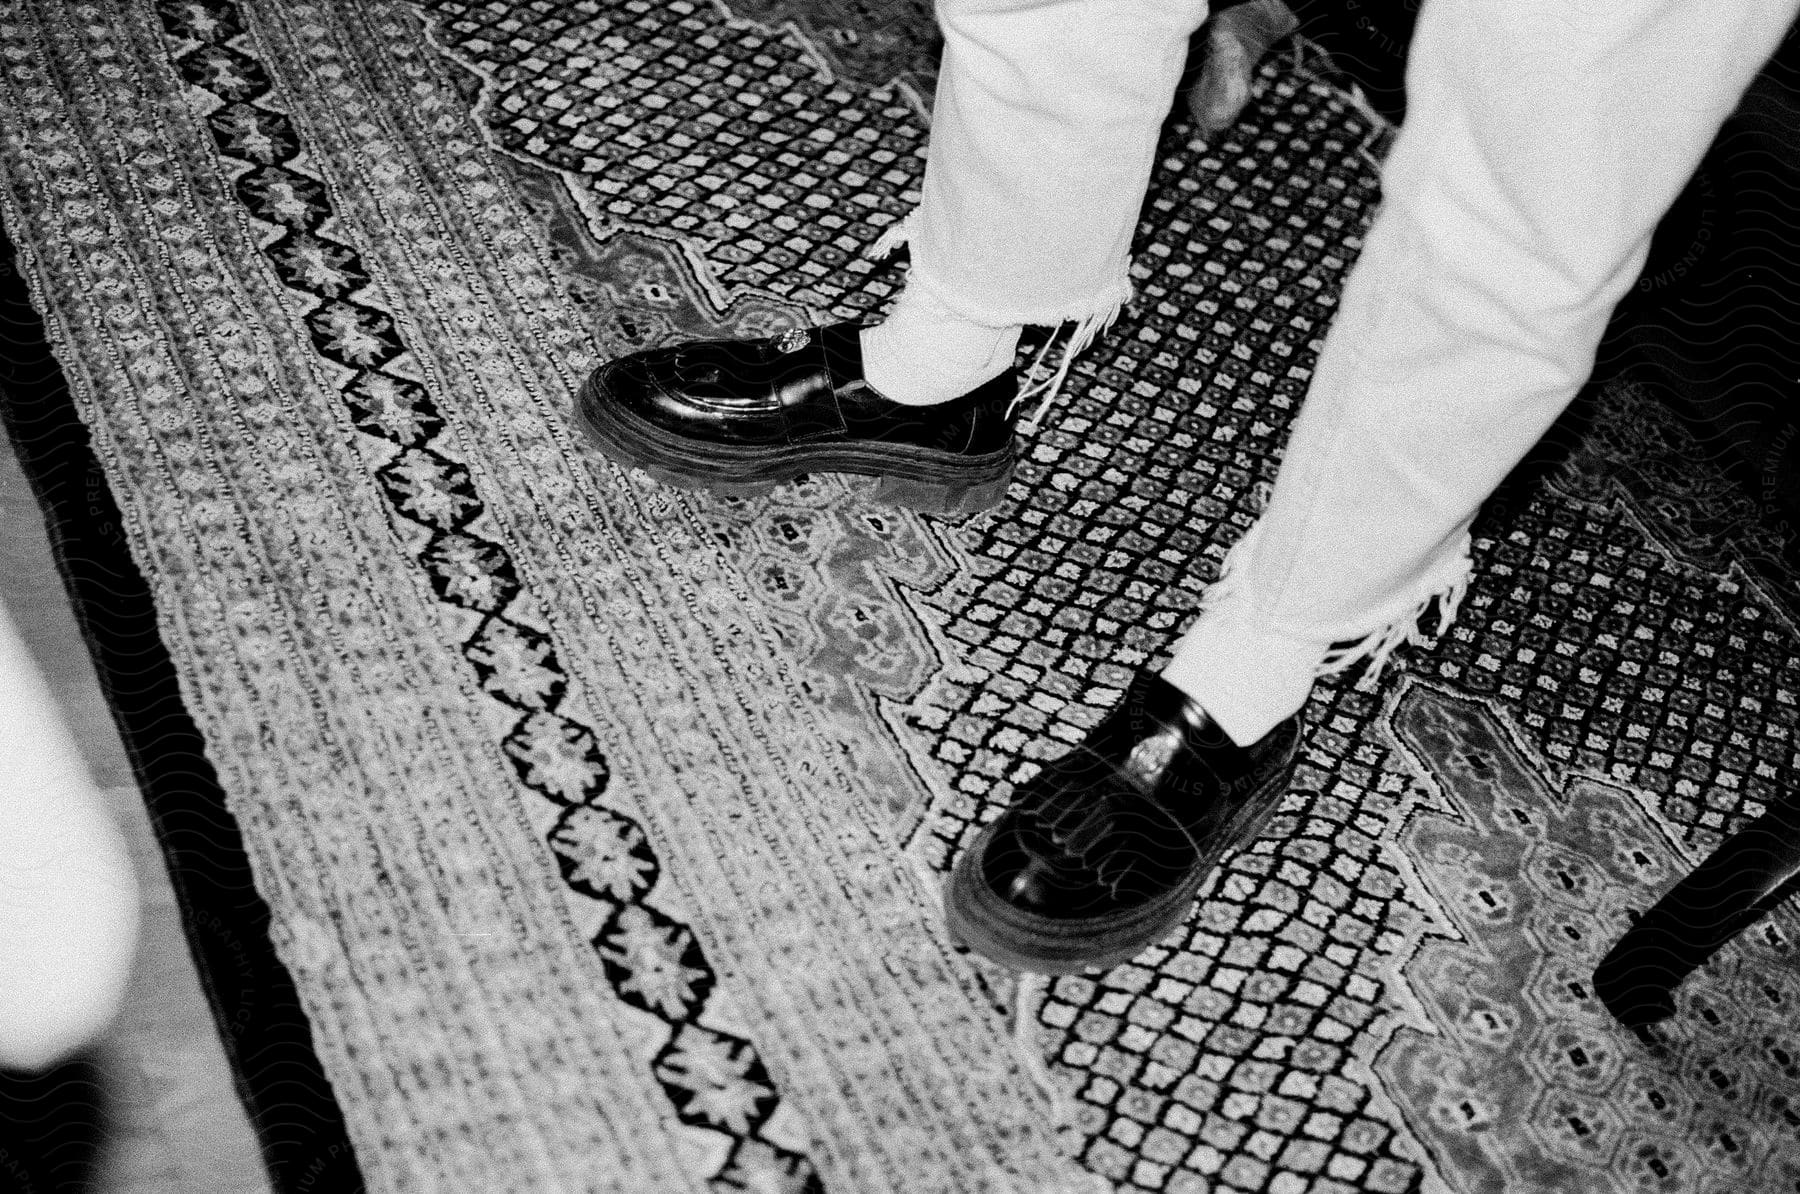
[(792, 340), (1151, 757)]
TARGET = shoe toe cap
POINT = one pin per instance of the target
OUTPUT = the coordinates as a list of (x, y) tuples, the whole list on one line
[(630, 381), (700, 391), (1031, 885), (1089, 860), (1045, 881)]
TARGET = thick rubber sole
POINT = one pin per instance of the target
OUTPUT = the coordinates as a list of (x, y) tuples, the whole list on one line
[(917, 478), (978, 919)]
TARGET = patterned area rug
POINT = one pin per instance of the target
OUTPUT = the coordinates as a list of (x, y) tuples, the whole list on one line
[(600, 824)]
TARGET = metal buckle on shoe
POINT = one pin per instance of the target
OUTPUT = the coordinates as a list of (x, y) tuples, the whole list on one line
[(1151, 757), (793, 340)]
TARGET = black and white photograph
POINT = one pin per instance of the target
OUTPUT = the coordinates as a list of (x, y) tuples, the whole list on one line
[(900, 596)]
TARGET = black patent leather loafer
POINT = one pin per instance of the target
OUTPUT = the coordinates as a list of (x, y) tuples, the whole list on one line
[(740, 416), (1102, 853)]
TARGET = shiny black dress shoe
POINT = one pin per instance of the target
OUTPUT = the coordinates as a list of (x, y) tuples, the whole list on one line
[(1102, 853), (739, 416)]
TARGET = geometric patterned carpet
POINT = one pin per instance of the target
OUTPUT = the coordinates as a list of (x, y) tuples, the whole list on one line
[(601, 823)]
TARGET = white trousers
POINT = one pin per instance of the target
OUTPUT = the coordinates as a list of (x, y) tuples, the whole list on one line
[(1543, 141)]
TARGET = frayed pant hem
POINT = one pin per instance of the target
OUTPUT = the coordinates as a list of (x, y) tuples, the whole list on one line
[(1250, 674), (1098, 309)]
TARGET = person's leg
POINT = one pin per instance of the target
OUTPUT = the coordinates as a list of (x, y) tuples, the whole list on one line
[(1543, 141), (1043, 135), (68, 895), (1041, 148)]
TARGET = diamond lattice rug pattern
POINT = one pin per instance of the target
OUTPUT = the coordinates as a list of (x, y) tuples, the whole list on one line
[(601, 823)]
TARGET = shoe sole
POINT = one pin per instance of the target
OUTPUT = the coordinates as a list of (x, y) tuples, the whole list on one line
[(978, 919), (918, 478)]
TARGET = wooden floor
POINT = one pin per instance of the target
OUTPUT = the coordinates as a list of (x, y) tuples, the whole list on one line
[(173, 1123)]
